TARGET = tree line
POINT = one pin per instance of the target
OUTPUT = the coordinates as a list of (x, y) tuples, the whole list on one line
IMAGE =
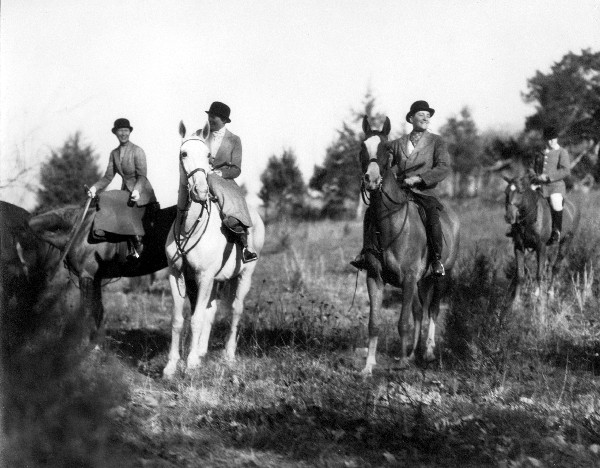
[(567, 97)]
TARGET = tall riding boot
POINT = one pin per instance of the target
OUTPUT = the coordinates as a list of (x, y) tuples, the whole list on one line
[(136, 247), (556, 226), (247, 254), (436, 242)]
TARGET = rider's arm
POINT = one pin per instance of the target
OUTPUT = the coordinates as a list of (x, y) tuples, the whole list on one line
[(563, 167), (232, 168), (141, 168)]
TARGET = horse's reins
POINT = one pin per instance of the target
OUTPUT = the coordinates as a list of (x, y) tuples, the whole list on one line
[(72, 236), (182, 246)]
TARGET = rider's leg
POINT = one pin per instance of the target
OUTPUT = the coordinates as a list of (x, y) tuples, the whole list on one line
[(241, 232), (434, 233), (556, 209)]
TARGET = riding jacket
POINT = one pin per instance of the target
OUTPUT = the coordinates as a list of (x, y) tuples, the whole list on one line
[(557, 165), (228, 158), (129, 161), (429, 160)]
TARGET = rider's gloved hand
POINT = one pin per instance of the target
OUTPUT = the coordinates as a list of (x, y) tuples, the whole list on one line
[(413, 180), (135, 196), (91, 192), (543, 178)]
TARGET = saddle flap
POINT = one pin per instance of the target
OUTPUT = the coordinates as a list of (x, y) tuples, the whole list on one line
[(115, 216)]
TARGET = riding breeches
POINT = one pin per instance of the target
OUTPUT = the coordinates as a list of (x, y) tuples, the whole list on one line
[(556, 201), (433, 227)]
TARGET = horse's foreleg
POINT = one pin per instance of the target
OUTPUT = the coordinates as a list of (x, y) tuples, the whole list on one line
[(409, 290), (434, 294), (177, 322), (556, 264), (92, 308), (375, 289), (541, 265), (201, 323), (417, 311), (517, 282), (237, 308)]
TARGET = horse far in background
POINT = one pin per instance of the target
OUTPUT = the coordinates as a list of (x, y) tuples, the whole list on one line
[(528, 212), (201, 254), (403, 255)]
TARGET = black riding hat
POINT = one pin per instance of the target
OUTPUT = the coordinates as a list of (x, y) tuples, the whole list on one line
[(121, 123), (220, 110), (550, 133), (419, 106)]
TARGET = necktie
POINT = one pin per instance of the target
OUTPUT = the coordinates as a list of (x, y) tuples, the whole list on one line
[(415, 137)]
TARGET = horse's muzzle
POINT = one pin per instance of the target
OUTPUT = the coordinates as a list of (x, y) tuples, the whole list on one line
[(198, 194), (372, 183), (510, 215)]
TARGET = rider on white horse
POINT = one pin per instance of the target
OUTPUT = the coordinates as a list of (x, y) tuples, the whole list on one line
[(226, 162)]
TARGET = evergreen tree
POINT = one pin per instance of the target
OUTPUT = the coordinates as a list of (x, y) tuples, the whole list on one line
[(283, 187), (63, 176), (465, 148), (340, 175), (568, 98)]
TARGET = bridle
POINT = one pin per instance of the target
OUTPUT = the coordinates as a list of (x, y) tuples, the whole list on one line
[(188, 176), (182, 238)]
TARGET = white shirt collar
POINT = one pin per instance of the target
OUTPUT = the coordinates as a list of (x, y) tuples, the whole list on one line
[(219, 132)]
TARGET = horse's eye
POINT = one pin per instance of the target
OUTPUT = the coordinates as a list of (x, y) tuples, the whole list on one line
[(183, 154)]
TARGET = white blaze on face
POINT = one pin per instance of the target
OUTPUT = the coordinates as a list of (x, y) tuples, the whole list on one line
[(372, 144)]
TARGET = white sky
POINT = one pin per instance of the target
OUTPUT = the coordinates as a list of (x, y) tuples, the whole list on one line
[(291, 71)]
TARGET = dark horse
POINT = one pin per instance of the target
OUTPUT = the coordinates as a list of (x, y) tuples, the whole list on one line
[(528, 211), (24, 259), (93, 261), (404, 254)]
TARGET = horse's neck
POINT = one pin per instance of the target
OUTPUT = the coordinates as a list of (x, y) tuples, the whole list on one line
[(391, 196), (529, 205), (195, 219)]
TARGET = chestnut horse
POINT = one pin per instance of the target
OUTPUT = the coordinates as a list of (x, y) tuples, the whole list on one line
[(528, 211), (404, 254), (201, 255)]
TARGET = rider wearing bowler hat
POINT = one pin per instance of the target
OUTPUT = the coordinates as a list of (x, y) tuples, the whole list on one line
[(129, 161), (226, 164), (420, 160)]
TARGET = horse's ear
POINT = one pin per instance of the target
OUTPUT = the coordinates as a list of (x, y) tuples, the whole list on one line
[(387, 126), (181, 129), (205, 132), (366, 126)]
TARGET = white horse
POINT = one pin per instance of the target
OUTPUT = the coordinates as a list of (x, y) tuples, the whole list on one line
[(200, 256)]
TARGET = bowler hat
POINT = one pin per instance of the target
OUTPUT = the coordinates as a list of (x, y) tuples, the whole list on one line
[(220, 110), (550, 133), (121, 123), (419, 106)]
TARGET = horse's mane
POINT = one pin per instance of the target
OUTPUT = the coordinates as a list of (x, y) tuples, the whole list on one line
[(69, 214)]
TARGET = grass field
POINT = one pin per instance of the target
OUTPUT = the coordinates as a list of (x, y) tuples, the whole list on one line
[(511, 387)]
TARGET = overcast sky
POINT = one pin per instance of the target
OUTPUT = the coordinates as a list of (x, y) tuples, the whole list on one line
[(291, 71)]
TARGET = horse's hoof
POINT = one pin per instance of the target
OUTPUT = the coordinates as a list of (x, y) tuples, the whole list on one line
[(169, 371), (429, 356), (404, 363), (367, 371)]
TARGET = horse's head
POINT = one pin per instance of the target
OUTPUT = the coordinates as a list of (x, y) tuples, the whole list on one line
[(194, 162), (373, 157), (513, 197)]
